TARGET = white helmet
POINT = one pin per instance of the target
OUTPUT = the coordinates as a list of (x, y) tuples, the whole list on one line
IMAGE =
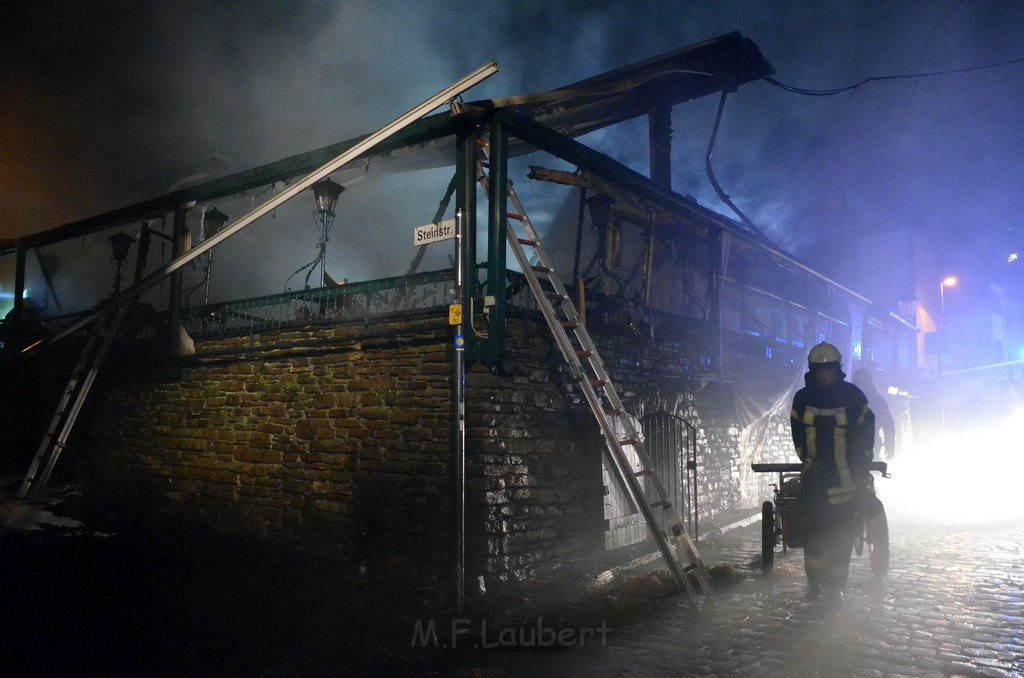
[(824, 354)]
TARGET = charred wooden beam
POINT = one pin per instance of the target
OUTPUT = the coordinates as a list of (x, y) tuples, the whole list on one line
[(591, 104), (587, 159), (628, 205)]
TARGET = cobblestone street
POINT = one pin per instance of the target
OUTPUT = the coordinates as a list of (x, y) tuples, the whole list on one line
[(951, 605), (157, 600)]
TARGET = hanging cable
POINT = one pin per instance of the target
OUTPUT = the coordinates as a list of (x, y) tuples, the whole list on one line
[(325, 231), (311, 266), (880, 78), (711, 172)]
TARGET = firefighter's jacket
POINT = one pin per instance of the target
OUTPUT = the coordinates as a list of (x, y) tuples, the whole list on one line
[(834, 433)]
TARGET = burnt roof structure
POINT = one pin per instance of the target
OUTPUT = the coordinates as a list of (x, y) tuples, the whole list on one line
[(549, 121), (712, 66)]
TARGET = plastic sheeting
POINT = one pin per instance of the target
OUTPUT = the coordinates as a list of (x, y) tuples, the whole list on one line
[(759, 409)]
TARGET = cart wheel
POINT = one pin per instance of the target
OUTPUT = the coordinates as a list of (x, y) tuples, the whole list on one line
[(767, 538), (878, 539)]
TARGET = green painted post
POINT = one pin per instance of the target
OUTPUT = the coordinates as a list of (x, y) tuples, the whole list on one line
[(465, 199), (497, 227)]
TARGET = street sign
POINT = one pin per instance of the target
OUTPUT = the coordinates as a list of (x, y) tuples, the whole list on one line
[(443, 230)]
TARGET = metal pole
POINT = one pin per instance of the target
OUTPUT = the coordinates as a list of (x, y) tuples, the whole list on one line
[(209, 272), (938, 357), (323, 250), (389, 130), (466, 200), (942, 326), (459, 428)]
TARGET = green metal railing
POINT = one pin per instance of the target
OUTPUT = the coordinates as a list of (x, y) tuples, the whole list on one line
[(354, 301)]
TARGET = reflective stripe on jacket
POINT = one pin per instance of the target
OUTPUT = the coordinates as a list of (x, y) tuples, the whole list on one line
[(833, 431)]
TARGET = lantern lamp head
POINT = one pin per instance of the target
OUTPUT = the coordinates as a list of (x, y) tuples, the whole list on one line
[(326, 193), (213, 222), (119, 244)]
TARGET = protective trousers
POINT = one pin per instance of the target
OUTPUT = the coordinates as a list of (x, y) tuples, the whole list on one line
[(828, 542)]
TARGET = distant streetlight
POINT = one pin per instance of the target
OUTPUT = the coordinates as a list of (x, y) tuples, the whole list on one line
[(948, 281)]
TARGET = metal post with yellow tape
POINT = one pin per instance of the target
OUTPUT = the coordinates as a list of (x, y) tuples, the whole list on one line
[(459, 418)]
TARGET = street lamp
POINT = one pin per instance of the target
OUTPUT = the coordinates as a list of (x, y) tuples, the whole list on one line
[(119, 244), (213, 222), (948, 281), (326, 193)]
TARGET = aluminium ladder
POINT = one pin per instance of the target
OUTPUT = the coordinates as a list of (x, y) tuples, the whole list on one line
[(618, 426), (70, 404)]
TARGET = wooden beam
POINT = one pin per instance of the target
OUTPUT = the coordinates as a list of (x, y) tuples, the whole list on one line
[(628, 206)]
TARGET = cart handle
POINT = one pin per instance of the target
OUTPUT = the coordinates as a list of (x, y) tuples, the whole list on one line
[(797, 467)]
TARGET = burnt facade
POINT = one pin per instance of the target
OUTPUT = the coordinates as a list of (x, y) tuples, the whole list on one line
[(324, 416)]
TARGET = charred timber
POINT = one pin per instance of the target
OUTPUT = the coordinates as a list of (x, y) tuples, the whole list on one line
[(628, 206)]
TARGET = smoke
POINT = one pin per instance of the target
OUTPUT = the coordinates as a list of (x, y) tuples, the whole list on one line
[(117, 102)]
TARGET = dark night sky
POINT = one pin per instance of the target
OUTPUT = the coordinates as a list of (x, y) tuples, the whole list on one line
[(111, 102)]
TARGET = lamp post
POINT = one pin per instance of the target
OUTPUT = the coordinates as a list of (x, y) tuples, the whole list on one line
[(326, 193), (213, 222), (948, 281), (119, 244)]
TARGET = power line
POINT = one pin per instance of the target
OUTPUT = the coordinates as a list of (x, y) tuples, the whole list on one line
[(879, 78)]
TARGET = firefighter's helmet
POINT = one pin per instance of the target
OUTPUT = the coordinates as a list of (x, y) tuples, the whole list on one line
[(862, 377), (824, 354)]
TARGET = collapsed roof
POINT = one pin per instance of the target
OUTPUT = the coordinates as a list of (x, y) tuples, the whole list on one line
[(716, 65)]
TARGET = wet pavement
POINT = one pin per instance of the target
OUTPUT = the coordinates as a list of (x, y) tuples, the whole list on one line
[(952, 604), (137, 596)]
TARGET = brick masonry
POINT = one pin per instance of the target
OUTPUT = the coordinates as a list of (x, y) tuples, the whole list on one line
[(337, 439)]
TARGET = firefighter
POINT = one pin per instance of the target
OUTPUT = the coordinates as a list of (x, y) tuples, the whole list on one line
[(833, 430), (885, 423)]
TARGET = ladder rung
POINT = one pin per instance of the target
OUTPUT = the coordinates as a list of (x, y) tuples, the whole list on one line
[(629, 441), (596, 376)]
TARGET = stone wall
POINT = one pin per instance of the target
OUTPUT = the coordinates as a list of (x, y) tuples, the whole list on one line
[(338, 439), (534, 499)]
